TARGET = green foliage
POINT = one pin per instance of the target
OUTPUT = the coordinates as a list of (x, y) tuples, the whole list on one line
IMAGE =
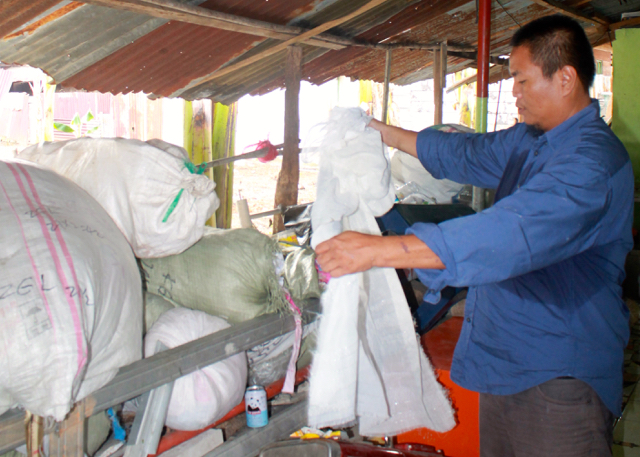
[(75, 126)]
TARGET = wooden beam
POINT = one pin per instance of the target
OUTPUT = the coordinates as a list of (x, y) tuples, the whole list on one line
[(571, 12), (176, 11), (438, 87), (474, 56), (300, 38), (625, 23), (385, 92), (496, 73), (287, 187)]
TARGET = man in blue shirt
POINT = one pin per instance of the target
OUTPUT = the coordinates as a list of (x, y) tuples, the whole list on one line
[(545, 325)]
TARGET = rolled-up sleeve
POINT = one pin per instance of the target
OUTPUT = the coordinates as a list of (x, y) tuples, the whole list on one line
[(556, 215), (478, 159)]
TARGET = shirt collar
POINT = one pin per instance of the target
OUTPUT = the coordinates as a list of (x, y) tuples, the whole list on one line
[(589, 113)]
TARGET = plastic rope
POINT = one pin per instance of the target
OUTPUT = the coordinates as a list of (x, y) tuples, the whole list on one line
[(272, 153), (290, 378), (195, 170)]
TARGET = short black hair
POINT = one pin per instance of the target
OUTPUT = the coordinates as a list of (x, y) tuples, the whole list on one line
[(555, 41)]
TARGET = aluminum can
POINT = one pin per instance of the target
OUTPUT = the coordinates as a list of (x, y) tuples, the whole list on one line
[(255, 406)]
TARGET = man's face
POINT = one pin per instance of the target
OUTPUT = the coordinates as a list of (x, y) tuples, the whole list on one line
[(537, 97)]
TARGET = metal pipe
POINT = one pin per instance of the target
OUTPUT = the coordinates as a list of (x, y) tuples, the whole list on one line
[(482, 93)]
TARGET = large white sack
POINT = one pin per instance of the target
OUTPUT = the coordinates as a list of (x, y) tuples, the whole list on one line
[(368, 365), (138, 184), (206, 395), (70, 293)]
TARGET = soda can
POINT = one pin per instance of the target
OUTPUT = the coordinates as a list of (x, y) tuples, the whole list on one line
[(255, 405)]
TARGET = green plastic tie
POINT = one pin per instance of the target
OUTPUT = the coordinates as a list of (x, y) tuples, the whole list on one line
[(196, 170)]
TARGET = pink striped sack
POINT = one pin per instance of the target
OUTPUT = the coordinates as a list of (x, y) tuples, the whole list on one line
[(70, 293)]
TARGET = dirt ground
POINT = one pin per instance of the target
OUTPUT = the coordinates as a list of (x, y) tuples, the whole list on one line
[(256, 182)]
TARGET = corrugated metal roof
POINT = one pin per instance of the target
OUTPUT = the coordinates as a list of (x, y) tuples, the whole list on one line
[(97, 48)]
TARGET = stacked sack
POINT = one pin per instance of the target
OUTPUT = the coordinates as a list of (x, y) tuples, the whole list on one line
[(155, 195), (70, 293)]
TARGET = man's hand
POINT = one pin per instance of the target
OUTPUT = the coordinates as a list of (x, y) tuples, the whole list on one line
[(353, 252), (395, 137), (346, 253)]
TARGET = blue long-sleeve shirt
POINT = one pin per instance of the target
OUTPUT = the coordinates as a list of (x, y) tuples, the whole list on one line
[(545, 263)]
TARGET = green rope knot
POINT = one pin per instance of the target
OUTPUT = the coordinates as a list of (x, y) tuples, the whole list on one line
[(194, 169)]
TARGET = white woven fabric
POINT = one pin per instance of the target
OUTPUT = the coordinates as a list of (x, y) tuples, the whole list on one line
[(369, 365)]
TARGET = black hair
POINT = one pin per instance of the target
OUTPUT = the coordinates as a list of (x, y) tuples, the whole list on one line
[(555, 41)]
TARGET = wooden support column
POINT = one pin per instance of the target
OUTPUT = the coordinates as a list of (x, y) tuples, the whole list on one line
[(223, 146), (387, 80), (439, 81), (68, 439), (287, 187)]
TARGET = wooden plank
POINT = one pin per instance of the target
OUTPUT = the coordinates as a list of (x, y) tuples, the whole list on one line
[(287, 187), (438, 87), (176, 11), (625, 23), (385, 92), (298, 39), (571, 12), (68, 439)]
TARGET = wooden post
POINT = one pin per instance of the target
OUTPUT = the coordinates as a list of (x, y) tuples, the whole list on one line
[(223, 146), (387, 80), (438, 87), (68, 439), (287, 187), (35, 433)]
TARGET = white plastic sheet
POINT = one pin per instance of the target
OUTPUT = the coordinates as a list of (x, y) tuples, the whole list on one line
[(70, 293), (369, 365), (148, 189)]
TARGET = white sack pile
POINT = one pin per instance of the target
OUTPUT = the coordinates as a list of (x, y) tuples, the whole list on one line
[(151, 190), (369, 365), (203, 396), (70, 293)]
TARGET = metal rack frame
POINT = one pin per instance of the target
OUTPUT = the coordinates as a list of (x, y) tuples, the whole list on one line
[(146, 374)]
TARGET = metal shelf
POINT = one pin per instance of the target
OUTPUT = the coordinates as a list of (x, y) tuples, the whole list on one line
[(146, 374)]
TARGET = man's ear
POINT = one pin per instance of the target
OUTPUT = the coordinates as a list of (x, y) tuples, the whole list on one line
[(568, 79)]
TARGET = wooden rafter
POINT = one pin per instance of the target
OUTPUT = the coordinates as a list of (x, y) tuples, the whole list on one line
[(625, 23), (298, 39), (571, 12), (182, 12)]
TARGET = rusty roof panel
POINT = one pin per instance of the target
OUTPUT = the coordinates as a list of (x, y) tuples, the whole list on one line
[(239, 82), (96, 48), (169, 58), (16, 13), (76, 40)]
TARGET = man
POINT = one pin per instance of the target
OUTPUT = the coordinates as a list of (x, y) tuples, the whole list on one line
[(545, 326)]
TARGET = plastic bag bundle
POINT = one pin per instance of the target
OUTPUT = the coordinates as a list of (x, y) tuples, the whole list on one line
[(155, 195), (268, 361), (203, 396), (70, 293), (228, 273), (414, 184)]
